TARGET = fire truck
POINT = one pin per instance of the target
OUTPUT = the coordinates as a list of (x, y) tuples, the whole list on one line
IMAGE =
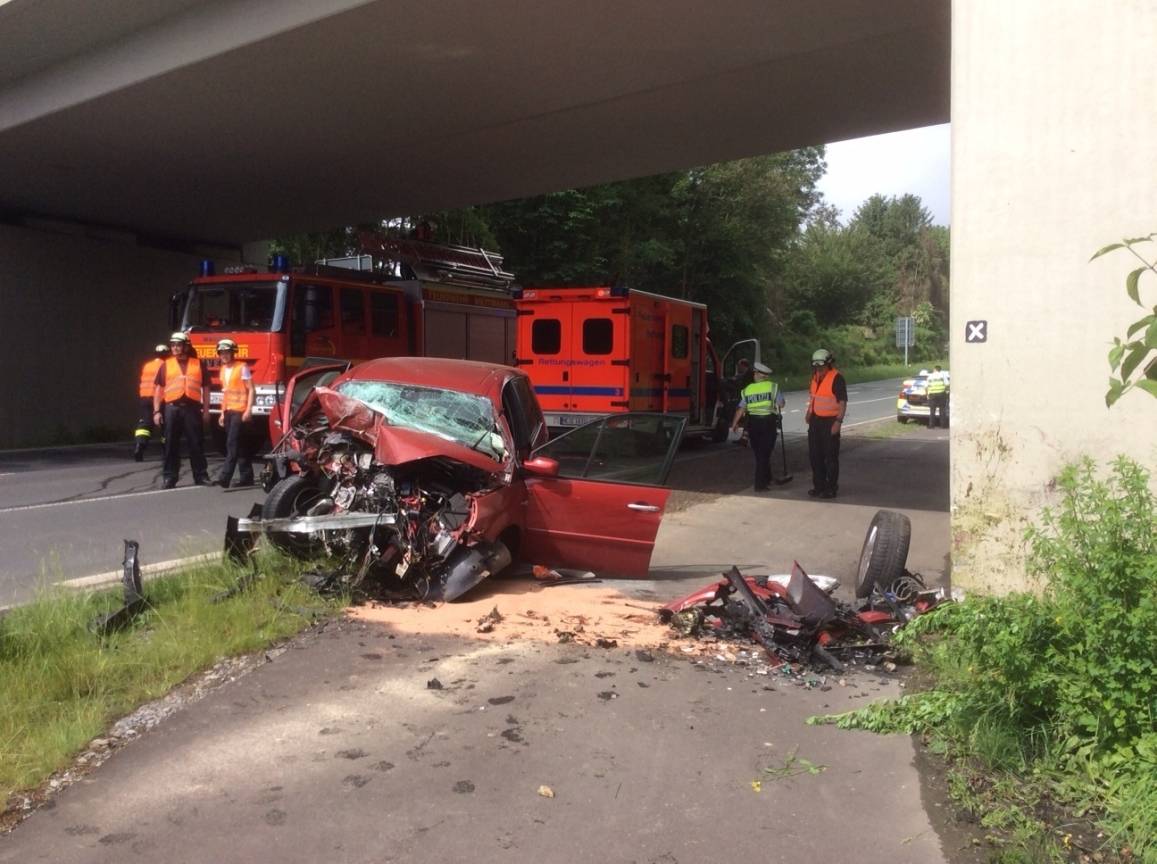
[(404, 298), (602, 350)]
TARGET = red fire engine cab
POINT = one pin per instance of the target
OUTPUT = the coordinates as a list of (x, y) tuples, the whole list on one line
[(410, 298), (602, 350)]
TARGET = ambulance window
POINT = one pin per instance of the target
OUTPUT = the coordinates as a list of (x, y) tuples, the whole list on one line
[(353, 308), (678, 341), (598, 335), (546, 336), (384, 313)]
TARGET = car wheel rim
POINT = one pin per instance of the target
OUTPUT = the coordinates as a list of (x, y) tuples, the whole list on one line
[(866, 555)]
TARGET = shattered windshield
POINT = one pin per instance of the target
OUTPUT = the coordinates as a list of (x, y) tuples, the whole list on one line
[(462, 417)]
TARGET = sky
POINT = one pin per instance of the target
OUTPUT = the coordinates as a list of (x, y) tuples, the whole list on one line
[(916, 162)]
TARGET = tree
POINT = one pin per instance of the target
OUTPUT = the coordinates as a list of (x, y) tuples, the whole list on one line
[(1129, 358)]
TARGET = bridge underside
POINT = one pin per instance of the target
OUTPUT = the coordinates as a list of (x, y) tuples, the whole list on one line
[(230, 121)]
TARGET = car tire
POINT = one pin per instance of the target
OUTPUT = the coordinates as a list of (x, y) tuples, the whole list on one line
[(884, 553), (292, 496), (901, 418)]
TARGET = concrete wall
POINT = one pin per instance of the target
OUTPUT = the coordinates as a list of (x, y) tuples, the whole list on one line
[(78, 316), (1054, 136)]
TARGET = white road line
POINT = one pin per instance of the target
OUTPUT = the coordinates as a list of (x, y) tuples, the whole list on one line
[(866, 401), (98, 580), (94, 500)]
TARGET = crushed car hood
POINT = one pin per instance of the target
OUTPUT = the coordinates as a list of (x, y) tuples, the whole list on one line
[(393, 445)]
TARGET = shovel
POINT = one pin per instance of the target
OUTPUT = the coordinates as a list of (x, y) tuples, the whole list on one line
[(786, 478)]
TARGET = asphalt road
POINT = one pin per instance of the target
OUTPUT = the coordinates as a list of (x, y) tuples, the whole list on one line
[(64, 513)]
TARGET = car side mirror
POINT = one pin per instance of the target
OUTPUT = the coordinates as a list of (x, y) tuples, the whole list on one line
[(541, 466)]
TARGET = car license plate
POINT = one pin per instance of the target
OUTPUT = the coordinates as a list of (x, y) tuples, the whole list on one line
[(571, 420)]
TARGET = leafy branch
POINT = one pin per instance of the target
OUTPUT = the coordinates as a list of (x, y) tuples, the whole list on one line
[(1129, 358)]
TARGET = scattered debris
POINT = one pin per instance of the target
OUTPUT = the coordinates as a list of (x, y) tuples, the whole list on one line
[(545, 791), (486, 622), (795, 619), (134, 596), (794, 766), (434, 684), (644, 656), (463, 787), (603, 642)]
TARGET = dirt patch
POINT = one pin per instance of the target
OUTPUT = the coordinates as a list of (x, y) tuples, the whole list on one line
[(590, 615)]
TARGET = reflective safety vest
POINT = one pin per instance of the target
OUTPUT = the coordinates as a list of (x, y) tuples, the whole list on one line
[(937, 384), (182, 385), (759, 398), (234, 393), (823, 397), (149, 377)]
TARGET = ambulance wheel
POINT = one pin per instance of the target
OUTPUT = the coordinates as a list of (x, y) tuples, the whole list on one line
[(884, 553)]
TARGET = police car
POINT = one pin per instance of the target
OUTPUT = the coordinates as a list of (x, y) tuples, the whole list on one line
[(913, 399)]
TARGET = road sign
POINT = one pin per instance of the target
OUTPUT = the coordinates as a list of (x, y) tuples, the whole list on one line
[(905, 332), (976, 332)]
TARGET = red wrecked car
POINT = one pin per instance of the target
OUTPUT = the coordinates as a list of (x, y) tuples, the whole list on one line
[(434, 474)]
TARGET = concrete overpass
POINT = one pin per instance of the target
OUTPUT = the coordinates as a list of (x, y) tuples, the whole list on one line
[(137, 137)]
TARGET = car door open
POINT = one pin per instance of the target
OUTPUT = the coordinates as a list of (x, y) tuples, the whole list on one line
[(595, 495)]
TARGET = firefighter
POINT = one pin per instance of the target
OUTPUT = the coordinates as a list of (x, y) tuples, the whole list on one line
[(825, 418), (761, 401), (937, 398), (144, 431), (236, 409), (179, 387)]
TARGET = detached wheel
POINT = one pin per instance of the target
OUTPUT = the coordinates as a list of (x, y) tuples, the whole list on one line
[(293, 496), (884, 553)]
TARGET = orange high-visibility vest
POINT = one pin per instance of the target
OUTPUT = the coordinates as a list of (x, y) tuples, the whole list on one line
[(149, 377), (182, 385), (235, 395), (823, 398)]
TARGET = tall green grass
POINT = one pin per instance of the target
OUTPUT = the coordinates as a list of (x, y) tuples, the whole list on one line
[(62, 685)]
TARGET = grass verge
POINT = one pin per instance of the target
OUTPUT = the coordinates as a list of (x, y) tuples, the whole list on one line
[(1046, 703), (62, 686)]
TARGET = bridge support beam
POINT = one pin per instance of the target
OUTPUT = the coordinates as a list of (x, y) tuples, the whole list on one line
[(1053, 143)]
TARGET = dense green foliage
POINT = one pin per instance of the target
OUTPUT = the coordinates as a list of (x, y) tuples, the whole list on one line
[(752, 239), (1129, 358), (1060, 685)]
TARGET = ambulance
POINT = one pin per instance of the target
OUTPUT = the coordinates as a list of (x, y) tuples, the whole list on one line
[(602, 350)]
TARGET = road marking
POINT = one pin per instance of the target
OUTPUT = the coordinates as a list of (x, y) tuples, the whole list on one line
[(23, 507), (866, 401), (99, 580)]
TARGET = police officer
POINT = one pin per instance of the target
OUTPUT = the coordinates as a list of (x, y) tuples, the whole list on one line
[(236, 409), (826, 407), (145, 391), (937, 398), (179, 387), (761, 401)]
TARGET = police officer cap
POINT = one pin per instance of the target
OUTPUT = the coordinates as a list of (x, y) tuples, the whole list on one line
[(762, 367)]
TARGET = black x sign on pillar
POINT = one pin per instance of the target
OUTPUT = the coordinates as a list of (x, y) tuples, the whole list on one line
[(976, 331)]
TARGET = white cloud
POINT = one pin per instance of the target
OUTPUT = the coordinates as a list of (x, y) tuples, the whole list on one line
[(916, 161)]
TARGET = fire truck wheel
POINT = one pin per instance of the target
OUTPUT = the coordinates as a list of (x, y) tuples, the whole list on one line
[(884, 553), (292, 496)]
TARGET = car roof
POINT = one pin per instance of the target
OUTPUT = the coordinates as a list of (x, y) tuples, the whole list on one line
[(465, 376)]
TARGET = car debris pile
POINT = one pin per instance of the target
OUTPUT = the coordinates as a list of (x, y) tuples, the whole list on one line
[(795, 617)]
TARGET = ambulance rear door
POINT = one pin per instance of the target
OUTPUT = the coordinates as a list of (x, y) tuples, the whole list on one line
[(544, 352), (648, 338), (599, 362)]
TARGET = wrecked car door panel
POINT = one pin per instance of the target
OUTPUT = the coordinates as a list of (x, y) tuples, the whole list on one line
[(588, 525), (298, 388), (602, 509)]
